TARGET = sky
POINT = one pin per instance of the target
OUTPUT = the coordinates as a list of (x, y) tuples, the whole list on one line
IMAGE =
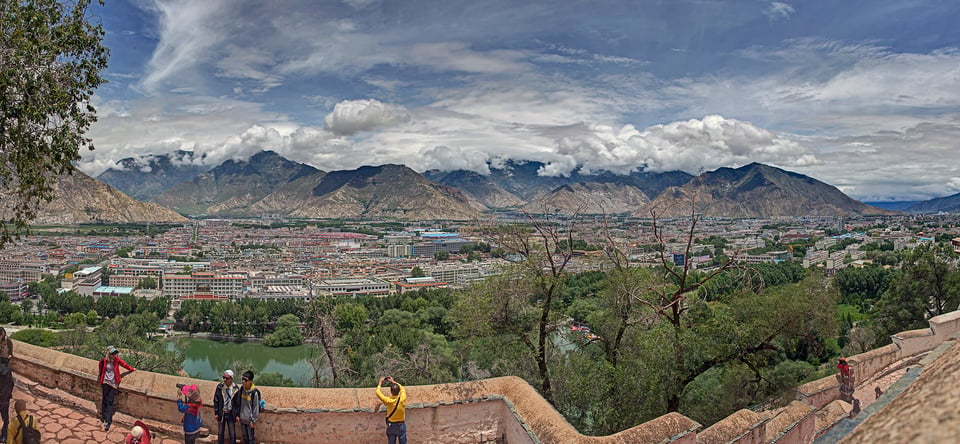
[(863, 95)]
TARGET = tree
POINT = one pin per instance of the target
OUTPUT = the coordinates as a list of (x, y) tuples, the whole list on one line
[(324, 331), (286, 334), (50, 61), (441, 255), (26, 306), (928, 285), (417, 272), (520, 301), (148, 283)]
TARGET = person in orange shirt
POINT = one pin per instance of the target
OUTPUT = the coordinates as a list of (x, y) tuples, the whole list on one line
[(396, 404)]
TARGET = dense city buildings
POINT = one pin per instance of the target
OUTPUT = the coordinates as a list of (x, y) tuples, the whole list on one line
[(222, 259)]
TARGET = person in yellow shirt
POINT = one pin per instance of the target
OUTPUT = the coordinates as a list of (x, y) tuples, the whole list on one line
[(395, 404), (14, 434)]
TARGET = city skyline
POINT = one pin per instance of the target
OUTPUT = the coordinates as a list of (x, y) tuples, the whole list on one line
[(865, 98)]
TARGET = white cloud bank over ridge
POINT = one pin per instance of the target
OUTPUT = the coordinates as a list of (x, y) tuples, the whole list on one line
[(370, 132), (868, 102)]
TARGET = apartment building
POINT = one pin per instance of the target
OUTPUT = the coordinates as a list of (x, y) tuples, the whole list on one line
[(226, 285), (417, 283), (16, 276), (264, 279), (83, 281), (353, 287), (814, 257), (460, 275)]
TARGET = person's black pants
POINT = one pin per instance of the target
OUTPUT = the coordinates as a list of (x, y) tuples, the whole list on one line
[(227, 425), (106, 405), (249, 433), (5, 414)]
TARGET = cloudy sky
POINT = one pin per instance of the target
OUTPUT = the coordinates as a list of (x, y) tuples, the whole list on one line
[(861, 94)]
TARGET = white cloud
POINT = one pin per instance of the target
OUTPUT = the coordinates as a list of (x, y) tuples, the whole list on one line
[(352, 116), (953, 185), (249, 64), (186, 38), (447, 158), (779, 11), (455, 56), (691, 146), (362, 4)]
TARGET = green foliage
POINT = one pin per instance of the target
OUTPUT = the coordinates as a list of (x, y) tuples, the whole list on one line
[(233, 318), (287, 333), (862, 286), (273, 379), (37, 336), (417, 272), (50, 66), (441, 255), (9, 312), (66, 302), (927, 285), (133, 334), (147, 283)]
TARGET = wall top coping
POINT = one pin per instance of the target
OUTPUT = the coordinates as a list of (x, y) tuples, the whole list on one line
[(789, 417), (946, 317), (832, 413), (873, 354), (732, 427), (813, 387), (914, 333)]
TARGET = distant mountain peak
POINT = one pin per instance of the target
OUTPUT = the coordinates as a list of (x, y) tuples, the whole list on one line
[(759, 190)]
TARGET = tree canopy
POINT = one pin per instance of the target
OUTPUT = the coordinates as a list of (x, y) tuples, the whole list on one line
[(51, 56)]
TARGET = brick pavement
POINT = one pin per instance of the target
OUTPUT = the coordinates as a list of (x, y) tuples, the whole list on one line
[(65, 419)]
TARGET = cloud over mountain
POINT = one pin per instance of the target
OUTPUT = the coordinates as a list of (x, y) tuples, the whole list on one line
[(868, 100), (352, 116)]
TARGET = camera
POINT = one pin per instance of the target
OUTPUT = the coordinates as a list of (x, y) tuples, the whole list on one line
[(181, 385)]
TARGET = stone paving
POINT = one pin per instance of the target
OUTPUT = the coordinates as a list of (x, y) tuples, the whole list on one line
[(66, 419), (866, 392)]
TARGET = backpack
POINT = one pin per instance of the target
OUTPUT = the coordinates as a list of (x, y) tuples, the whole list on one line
[(262, 404), (30, 434)]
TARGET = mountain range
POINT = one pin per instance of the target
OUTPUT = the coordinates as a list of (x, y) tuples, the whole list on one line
[(267, 183), (948, 204)]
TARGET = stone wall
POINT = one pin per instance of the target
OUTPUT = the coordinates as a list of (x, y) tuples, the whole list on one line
[(497, 410), (865, 365)]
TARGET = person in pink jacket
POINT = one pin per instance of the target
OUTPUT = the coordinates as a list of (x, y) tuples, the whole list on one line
[(109, 379)]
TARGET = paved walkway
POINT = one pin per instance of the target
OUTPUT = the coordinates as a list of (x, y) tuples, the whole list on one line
[(65, 419)]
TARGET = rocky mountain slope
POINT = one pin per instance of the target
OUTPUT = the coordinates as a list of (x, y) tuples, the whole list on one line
[(589, 198), (233, 186), (147, 177), (757, 190), (82, 199), (948, 204), (518, 182), (387, 191)]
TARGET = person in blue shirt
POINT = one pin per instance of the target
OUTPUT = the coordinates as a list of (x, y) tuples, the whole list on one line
[(189, 403)]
